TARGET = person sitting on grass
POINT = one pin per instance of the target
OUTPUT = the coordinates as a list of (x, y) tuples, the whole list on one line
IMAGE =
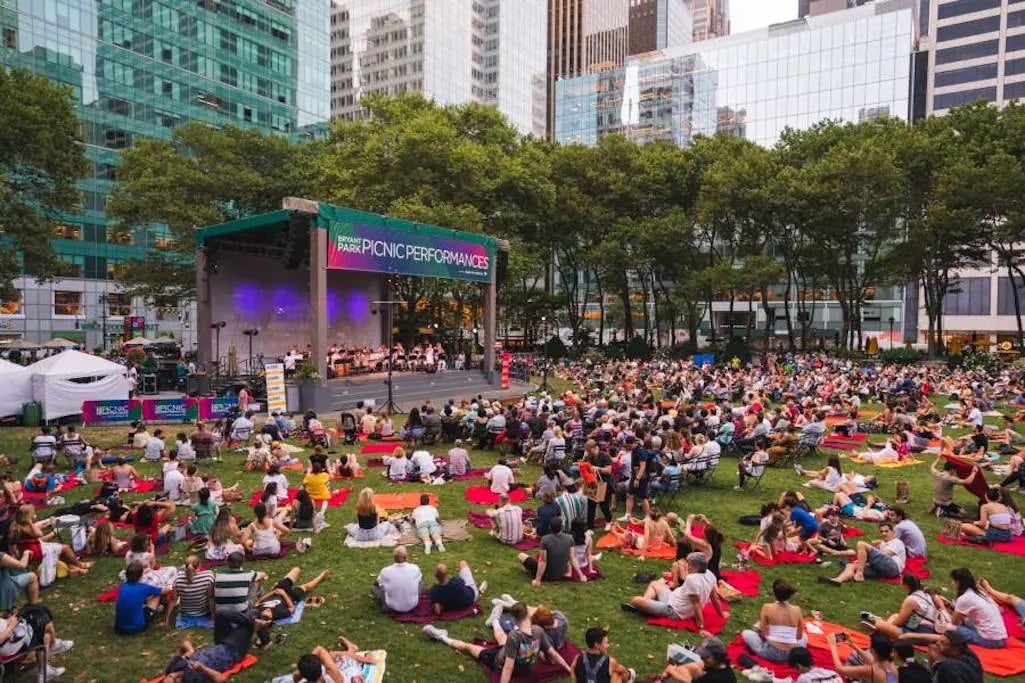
[(149, 518), (686, 602), (714, 666), (453, 593), (780, 626), (398, 585), (501, 477), (32, 629), (101, 541), (194, 589), (804, 523), (943, 481), (428, 526), (316, 482), (974, 615), (368, 527), (874, 666), (262, 536), (884, 558), (514, 654), (953, 661), (423, 464), (800, 660), (831, 540), (27, 535), (917, 613), (15, 579), (303, 511), (507, 521), (1011, 600), (556, 561), (233, 634), (137, 602), (333, 666), (595, 664), (399, 466), (994, 524), (225, 537)]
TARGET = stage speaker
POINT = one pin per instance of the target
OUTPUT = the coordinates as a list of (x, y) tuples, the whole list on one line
[(501, 266), (297, 240)]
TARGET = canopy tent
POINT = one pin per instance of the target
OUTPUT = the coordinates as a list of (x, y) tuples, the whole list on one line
[(62, 382), (139, 341), (22, 345), (60, 343), (17, 383)]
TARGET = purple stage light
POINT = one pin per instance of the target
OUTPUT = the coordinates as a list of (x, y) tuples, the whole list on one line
[(248, 300), (357, 306)]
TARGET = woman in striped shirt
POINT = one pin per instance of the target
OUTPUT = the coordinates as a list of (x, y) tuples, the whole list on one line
[(195, 589)]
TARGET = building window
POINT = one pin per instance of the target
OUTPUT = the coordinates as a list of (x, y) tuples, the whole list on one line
[(964, 97), (1014, 91), (956, 9), (12, 306), (10, 38), (67, 303), (970, 74), (968, 28), (971, 51), (970, 296), (118, 305), (167, 308)]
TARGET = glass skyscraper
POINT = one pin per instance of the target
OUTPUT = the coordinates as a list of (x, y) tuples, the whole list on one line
[(138, 69), (850, 65)]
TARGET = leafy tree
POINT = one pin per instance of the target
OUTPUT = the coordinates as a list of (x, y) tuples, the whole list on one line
[(199, 177), (41, 159)]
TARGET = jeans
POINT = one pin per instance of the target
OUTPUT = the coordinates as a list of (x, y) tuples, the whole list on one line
[(234, 629), (972, 634), (763, 648)]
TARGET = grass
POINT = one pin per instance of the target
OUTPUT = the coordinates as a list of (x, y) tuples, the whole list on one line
[(99, 655)]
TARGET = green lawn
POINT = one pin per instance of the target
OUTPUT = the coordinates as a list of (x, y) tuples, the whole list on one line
[(99, 655)]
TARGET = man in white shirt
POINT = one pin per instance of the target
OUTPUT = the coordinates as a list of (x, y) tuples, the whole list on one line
[(242, 428), (428, 526), (884, 558), (155, 447), (685, 602), (44, 446), (974, 417), (398, 584), (508, 521), (424, 462), (908, 532), (501, 477), (173, 478)]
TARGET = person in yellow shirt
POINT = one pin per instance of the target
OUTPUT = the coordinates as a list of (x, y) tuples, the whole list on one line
[(316, 483)]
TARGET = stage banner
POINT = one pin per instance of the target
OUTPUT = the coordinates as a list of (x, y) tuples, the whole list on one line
[(420, 250), (217, 407), (170, 409), (274, 373), (111, 412), (506, 362)]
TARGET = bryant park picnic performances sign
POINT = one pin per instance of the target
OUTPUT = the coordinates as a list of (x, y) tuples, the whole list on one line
[(424, 252), (183, 409)]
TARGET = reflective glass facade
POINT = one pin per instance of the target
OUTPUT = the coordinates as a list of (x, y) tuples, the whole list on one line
[(487, 51), (850, 65), (139, 68)]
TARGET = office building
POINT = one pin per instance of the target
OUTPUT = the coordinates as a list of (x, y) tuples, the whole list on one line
[(139, 69), (457, 51), (850, 65), (659, 24), (584, 36), (817, 7), (976, 51), (711, 18)]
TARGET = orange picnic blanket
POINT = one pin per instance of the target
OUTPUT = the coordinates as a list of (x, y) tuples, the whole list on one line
[(817, 631), (246, 662), (614, 541), (401, 501)]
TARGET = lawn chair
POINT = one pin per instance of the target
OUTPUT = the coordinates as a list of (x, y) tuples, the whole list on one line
[(807, 447), (753, 479), (702, 468), (674, 484), (13, 663)]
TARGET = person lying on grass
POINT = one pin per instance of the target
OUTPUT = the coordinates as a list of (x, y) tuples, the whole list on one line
[(281, 601), (233, 634), (333, 666), (553, 621), (514, 654), (688, 601), (884, 558)]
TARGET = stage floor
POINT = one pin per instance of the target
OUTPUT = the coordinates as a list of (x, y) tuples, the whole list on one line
[(411, 389)]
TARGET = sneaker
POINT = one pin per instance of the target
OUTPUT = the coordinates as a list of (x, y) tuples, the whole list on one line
[(482, 588), (798, 468), (496, 613), (60, 645), (597, 558), (427, 548), (53, 672), (508, 599), (624, 518), (441, 547), (432, 631), (632, 676), (868, 617), (738, 488), (627, 607)]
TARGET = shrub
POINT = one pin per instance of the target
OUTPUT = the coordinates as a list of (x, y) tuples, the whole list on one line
[(736, 347), (637, 349), (555, 348), (982, 360), (901, 356)]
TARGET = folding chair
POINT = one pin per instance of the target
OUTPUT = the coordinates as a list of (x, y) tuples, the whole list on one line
[(675, 483), (754, 478), (19, 659)]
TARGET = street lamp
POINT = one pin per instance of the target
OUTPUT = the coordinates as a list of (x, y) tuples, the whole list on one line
[(103, 317), (251, 332), (891, 321), (544, 335), (217, 327)]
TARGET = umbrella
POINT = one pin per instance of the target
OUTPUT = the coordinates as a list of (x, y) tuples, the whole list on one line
[(165, 340), (138, 341), (23, 345), (59, 343)]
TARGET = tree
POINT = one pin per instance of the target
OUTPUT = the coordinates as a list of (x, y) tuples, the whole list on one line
[(41, 159), (199, 177)]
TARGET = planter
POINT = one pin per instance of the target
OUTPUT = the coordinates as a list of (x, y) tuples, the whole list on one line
[(314, 395)]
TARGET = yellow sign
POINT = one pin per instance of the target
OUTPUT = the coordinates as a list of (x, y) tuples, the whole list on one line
[(275, 375)]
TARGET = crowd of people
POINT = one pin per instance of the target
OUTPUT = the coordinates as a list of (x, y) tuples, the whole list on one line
[(622, 442)]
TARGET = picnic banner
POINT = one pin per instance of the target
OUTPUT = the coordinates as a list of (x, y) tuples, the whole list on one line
[(215, 408), (424, 251), (111, 412), (180, 409), (274, 373)]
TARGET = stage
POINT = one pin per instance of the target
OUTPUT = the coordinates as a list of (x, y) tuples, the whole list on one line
[(411, 389)]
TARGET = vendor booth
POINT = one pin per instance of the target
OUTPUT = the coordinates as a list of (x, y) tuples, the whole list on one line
[(62, 382), (16, 381)]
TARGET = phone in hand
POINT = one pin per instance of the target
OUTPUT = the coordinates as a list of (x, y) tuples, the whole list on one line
[(842, 638)]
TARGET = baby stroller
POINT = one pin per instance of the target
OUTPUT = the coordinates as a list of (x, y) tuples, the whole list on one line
[(349, 427), (315, 430)]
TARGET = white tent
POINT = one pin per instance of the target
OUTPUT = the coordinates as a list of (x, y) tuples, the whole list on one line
[(62, 382), (17, 388)]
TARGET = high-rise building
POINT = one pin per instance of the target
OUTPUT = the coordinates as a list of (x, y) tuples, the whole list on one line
[(457, 51), (711, 18), (976, 51), (584, 36), (658, 24), (817, 7), (851, 65), (139, 69)]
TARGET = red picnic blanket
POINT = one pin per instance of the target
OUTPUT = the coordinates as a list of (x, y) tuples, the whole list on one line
[(338, 497), (38, 498), (747, 581), (482, 495), (979, 485), (820, 657), (914, 566), (713, 622), (784, 557), (1015, 547), (247, 661), (375, 448), (139, 486), (541, 672)]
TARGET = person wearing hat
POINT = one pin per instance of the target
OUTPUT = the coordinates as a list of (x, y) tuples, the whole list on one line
[(594, 664)]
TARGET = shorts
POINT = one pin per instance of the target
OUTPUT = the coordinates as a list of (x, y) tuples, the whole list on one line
[(806, 533), (994, 535), (880, 564), (849, 510), (426, 529), (662, 600), (294, 592), (639, 490), (21, 580), (489, 658)]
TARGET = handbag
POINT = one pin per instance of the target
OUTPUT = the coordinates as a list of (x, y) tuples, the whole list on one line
[(596, 491), (951, 529)]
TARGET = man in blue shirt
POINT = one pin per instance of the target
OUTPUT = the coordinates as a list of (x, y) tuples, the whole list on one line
[(137, 602), (799, 517), (452, 592), (640, 474)]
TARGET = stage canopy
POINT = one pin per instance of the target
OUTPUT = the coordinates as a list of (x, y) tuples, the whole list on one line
[(323, 237)]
